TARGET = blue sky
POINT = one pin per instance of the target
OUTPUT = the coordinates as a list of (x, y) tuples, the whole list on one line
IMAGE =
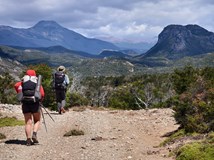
[(112, 20)]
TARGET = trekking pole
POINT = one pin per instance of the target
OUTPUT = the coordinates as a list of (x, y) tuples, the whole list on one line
[(44, 120), (46, 111)]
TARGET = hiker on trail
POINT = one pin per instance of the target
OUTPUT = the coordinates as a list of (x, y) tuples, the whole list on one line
[(60, 83), (30, 104)]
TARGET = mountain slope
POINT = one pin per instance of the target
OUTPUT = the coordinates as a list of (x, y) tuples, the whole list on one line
[(75, 62), (177, 41), (13, 67), (116, 54), (49, 33)]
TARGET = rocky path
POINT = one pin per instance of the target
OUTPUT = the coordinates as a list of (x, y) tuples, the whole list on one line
[(108, 135)]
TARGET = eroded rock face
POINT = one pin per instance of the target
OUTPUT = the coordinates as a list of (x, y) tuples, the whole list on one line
[(177, 41), (13, 67)]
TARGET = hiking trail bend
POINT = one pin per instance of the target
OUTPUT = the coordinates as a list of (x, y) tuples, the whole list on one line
[(108, 135)]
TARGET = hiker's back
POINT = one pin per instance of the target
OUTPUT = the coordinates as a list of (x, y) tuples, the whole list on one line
[(59, 78), (29, 85), (28, 89)]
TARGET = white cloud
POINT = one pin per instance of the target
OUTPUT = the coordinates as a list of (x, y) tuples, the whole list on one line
[(136, 20)]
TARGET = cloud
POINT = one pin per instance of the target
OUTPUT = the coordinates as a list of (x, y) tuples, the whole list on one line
[(136, 20)]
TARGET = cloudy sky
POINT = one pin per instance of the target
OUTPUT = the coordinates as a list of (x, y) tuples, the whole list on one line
[(113, 20)]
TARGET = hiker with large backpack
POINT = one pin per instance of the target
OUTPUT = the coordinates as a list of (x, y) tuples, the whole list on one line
[(60, 84), (30, 93)]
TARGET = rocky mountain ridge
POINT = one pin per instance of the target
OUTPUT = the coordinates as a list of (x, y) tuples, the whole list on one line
[(50, 33), (177, 46), (177, 41)]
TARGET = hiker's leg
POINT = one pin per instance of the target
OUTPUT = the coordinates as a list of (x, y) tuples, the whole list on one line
[(36, 112), (36, 119), (58, 100), (28, 124), (63, 96), (59, 106), (63, 105)]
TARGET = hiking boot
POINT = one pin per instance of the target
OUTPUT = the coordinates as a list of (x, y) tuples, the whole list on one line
[(34, 138), (29, 142), (62, 110)]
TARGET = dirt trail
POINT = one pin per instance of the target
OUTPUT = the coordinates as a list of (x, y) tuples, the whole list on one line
[(109, 135)]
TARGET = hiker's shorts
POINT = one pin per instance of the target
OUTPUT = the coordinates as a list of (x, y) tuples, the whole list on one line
[(60, 95), (30, 107)]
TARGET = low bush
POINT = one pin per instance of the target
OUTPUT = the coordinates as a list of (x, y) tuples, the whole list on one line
[(75, 99), (74, 132), (196, 151)]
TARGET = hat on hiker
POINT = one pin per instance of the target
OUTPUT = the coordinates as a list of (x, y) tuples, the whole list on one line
[(61, 69), (31, 72)]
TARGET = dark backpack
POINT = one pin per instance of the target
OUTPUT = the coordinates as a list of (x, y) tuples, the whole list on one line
[(28, 89), (59, 78)]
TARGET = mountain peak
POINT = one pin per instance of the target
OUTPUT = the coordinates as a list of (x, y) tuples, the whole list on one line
[(198, 30), (47, 24), (194, 29), (177, 41), (50, 33)]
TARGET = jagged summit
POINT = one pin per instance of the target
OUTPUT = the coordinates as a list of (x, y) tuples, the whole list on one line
[(47, 25), (190, 29), (198, 30), (177, 41)]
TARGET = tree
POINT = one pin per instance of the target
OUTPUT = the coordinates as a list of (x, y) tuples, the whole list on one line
[(75, 99), (182, 79), (123, 99), (194, 109)]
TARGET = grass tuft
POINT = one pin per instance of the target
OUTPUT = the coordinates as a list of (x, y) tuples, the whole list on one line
[(74, 132), (2, 136), (10, 121), (210, 138), (79, 109), (173, 137)]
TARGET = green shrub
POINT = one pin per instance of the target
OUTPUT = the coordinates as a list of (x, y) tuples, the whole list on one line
[(183, 78), (196, 151), (7, 93), (194, 109), (75, 99), (122, 99)]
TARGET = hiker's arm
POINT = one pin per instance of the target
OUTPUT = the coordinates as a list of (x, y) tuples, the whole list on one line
[(42, 93), (67, 80)]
